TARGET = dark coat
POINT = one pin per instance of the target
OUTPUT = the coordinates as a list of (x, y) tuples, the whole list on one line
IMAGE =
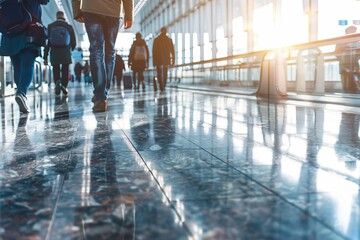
[(348, 56), (11, 46), (119, 65), (163, 51), (138, 65), (60, 55)]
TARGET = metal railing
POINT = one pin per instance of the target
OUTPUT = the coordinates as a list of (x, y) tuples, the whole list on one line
[(302, 68)]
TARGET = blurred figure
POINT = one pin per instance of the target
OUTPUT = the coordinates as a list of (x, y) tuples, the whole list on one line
[(102, 21), (349, 63), (77, 55), (163, 56), (86, 71), (78, 70), (61, 43), (22, 55), (119, 68), (139, 60)]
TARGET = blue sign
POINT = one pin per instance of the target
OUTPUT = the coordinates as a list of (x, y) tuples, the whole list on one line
[(343, 22)]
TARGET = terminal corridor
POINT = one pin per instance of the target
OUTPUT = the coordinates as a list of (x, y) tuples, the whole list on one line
[(180, 164)]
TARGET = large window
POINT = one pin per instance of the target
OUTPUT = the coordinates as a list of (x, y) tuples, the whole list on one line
[(335, 16)]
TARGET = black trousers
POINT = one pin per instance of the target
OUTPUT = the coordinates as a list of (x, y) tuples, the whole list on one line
[(139, 76), (348, 82), (64, 70), (162, 75)]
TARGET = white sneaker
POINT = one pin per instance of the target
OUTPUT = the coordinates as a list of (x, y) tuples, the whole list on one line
[(22, 102)]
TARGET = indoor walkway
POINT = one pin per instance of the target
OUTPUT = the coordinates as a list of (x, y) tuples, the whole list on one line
[(178, 165)]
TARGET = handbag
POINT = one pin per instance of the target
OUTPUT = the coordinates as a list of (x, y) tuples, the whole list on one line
[(37, 34)]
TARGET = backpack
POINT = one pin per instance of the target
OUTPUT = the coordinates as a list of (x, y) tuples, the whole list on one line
[(140, 53), (59, 36), (14, 17)]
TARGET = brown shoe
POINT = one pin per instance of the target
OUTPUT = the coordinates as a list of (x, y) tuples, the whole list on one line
[(100, 106)]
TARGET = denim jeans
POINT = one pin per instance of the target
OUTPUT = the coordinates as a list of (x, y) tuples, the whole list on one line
[(23, 64), (102, 32)]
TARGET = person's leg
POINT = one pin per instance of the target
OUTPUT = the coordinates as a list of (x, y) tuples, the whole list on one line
[(141, 79), (118, 80), (160, 77), (165, 74), (15, 61), (134, 79), (56, 72), (111, 29), (94, 29), (65, 75), (57, 79), (64, 78), (23, 64), (345, 81), (24, 72)]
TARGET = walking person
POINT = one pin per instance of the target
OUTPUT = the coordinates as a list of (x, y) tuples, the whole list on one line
[(139, 60), (102, 21), (348, 56), (119, 68), (22, 55), (78, 70), (61, 43), (86, 71), (163, 55)]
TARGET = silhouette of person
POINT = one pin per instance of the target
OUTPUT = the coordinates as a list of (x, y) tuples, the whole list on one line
[(349, 63), (60, 55), (102, 22), (163, 56), (23, 55), (139, 60), (119, 68)]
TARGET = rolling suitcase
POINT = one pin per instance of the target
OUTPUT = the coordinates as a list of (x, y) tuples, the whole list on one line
[(127, 81)]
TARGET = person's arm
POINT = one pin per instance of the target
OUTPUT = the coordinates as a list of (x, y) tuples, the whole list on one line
[(172, 52), (128, 13), (46, 49), (72, 38), (154, 53), (147, 56), (76, 10)]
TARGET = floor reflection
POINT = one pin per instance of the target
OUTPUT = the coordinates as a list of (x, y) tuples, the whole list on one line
[(178, 165)]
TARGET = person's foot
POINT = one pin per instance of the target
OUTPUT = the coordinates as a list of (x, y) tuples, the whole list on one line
[(64, 90), (21, 100), (100, 106), (57, 87)]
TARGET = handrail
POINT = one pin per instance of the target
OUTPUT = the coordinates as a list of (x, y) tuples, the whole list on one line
[(37, 75), (309, 45)]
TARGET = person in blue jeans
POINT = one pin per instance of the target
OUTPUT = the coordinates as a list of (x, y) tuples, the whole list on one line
[(23, 55), (102, 22)]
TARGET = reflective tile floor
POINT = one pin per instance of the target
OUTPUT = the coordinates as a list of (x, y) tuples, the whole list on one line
[(178, 165)]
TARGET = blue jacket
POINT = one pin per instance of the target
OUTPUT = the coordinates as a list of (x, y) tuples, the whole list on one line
[(10, 46)]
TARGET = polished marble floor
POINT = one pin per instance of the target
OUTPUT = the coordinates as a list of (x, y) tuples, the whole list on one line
[(178, 165)]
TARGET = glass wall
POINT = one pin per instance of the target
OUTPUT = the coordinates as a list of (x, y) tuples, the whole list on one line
[(217, 28), (208, 29)]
